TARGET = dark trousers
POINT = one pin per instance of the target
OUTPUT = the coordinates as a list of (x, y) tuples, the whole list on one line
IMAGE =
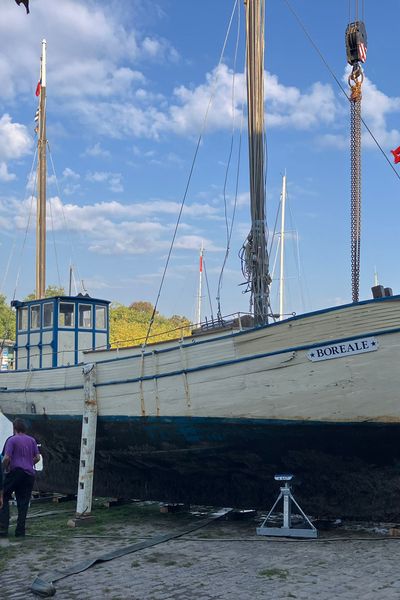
[(22, 484)]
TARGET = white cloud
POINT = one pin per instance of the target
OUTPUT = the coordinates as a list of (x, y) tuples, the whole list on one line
[(92, 48), (194, 242), (376, 108), (287, 106), (113, 180), (243, 199), (160, 49), (115, 228), (4, 174), (96, 61), (15, 141), (333, 140), (96, 150), (71, 189), (70, 174), (187, 116)]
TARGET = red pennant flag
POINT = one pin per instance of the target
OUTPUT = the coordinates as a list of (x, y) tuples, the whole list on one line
[(39, 85), (396, 155), (25, 3)]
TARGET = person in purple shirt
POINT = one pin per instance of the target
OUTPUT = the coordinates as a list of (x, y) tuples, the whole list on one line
[(20, 455), (1, 484)]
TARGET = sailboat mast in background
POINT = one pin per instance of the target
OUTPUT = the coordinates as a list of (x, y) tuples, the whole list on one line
[(41, 178), (199, 297), (256, 256), (282, 250)]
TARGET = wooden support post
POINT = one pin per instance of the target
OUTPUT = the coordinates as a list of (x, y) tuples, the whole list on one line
[(88, 443)]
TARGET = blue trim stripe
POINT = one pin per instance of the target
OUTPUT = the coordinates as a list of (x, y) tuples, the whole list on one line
[(211, 365), (195, 341), (234, 361), (45, 389)]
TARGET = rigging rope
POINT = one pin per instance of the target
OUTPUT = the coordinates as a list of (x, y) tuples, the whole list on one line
[(54, 240), (26, 233), (10, 256), (254, 253), (191, 170), (208, 289), (67, 229), (230, 228), (341, 87)]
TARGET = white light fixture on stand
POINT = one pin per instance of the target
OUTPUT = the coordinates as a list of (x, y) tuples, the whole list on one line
[(287, 530)]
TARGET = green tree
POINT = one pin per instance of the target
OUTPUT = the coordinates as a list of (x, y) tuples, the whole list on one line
[(7, 320), (51, 291)]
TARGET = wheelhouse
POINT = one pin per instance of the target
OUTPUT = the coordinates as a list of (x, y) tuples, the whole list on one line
[(54, 332)]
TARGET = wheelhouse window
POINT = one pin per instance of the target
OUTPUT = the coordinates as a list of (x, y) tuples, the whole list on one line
[(23, 319), (85, 316), (35, 316), (101, 318), (48, 314), (66, 314)]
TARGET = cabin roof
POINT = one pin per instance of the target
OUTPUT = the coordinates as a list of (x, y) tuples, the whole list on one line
[(78, 297)]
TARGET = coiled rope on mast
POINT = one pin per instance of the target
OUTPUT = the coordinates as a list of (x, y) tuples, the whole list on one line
[(255, 255)]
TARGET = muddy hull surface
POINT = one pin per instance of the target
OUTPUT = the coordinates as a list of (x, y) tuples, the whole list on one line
[(341, 470)]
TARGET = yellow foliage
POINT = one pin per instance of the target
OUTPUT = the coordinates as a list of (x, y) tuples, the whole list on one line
[(129, 325)]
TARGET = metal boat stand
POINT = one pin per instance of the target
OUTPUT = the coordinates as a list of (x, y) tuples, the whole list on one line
[(286, 530)]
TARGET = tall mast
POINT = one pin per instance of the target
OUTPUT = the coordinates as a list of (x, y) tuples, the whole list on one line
[(41, 177), (198, 311), (256, 256), (282, 254)]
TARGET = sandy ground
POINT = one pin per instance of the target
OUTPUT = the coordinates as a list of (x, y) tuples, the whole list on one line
[(225, 560)]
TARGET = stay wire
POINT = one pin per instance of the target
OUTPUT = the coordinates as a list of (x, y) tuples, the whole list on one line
[(27, 226), (54, 241), (10, 256), (208, 289), (230, 228), (314, 45), (191, 170), (64, 215)]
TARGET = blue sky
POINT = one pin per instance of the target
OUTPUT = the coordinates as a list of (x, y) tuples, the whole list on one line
[(128, 85)]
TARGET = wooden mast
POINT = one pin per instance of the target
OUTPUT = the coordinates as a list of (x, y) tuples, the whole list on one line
[(41, 177), (257, 263)]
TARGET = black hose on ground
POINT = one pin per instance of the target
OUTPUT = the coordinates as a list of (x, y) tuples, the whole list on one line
[(43, 585)]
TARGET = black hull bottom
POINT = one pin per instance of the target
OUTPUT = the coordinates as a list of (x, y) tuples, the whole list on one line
[(341, 470)]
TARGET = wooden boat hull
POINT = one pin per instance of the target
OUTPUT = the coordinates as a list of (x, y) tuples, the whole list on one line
[(211, 420), (341, 470)]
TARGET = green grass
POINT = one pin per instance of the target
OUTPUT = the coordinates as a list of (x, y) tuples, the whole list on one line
[(46, 534), (135, 563), (274, 573)]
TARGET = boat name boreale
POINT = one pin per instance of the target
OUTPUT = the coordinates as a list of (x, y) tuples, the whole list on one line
[(368, 344)]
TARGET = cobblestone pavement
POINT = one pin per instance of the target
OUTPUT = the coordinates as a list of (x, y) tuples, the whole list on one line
[(225, 560)]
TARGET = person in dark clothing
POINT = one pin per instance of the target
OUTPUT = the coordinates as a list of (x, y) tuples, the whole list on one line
[(1, 485), (20, 455)]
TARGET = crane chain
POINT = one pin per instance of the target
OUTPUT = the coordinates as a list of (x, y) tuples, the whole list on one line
[(355, 83)]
